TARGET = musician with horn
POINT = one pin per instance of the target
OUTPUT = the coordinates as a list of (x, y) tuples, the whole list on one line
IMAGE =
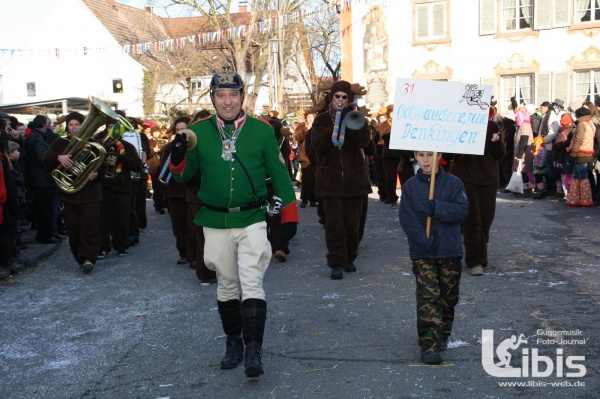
[(117, 188), (82, 204), (339, 136), (175, 193)]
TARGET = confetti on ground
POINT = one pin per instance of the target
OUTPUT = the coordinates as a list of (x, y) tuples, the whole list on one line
[(329, 306), (550, 285), (457, 344)]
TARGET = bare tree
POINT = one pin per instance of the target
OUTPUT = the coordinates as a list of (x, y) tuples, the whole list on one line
[(318, 48), (245, 53)]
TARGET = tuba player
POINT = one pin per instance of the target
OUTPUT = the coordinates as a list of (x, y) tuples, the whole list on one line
[(82, 209)]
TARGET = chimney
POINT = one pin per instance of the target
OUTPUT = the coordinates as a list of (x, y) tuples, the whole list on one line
[(149, 10), (112, 2), (243, 6)]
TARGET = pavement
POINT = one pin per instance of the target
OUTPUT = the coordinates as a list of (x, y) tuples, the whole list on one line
[(141, 326)]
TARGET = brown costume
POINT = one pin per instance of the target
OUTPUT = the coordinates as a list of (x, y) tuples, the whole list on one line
[(116, 202), (342, 180), (138, 220), (82, 209), (479, 173), (391, 160), (307, 190), (177, 207)]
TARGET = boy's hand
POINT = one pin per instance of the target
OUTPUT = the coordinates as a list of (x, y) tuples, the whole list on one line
[(428, 208)]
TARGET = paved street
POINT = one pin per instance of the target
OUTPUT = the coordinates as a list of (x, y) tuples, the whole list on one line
[(142, 327)]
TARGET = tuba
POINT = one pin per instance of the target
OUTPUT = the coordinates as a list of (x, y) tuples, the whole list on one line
[(87, 156)]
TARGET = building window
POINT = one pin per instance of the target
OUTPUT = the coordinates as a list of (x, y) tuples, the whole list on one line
[(196, 87), (519, 86), (517, 14), (587, 85), (31, 92), (430, 21), (117, 85), (587, 11)]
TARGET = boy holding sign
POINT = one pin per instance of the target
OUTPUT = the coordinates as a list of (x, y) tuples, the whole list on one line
[(436, 257)]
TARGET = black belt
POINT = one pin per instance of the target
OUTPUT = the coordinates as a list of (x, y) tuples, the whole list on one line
[(252, 205)]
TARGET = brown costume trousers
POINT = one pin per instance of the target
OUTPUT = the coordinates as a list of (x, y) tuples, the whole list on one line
[(391, 177), (115, 209), (195, 244), (137, 217), (158, 193), (307, 191), (342, 228), (179, 223), (476, 228), (83, 228), (363, 216), (380, 171)]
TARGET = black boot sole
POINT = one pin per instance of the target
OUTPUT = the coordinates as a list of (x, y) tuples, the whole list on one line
[(254, 371)]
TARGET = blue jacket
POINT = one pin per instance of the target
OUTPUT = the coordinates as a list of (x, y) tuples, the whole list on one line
[(451, 209)]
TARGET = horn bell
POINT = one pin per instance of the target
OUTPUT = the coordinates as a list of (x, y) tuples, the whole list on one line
[(354, 120), (192, 139)]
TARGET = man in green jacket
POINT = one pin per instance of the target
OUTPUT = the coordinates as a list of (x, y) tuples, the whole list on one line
[(234, 154)]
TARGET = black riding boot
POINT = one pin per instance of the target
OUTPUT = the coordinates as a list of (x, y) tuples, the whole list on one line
[(231, 318), (254, 314)]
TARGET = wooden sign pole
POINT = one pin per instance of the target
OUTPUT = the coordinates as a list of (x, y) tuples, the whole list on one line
[(434, 169)]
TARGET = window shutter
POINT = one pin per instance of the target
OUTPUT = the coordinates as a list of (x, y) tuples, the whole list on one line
[(561, 13), (490, 82), (543, 14), (439, 23), (487, 17), (542, 88), (422, 30), (560, 86)]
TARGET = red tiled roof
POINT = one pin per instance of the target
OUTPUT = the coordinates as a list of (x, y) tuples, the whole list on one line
[(128, 25)]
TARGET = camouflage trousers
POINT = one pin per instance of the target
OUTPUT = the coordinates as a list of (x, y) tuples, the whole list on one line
[(437, 295)]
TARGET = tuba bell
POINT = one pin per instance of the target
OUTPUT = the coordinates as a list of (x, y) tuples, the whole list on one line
[(87, 156)]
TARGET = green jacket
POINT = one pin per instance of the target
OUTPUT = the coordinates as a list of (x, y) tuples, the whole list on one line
[(224, 183)]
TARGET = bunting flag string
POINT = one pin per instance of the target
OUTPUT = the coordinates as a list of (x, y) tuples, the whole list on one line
[(202, 39)]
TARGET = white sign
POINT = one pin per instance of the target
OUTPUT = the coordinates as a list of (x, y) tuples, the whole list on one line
[(440, 116)]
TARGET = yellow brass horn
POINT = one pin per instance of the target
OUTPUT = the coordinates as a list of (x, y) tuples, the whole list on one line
[(192, 140), (87, 156)]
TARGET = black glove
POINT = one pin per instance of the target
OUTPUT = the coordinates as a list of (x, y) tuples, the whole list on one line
[(288, 231), (178, 149), (428, 208)]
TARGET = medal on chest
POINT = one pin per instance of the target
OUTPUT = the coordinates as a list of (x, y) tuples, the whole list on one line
[(228, 149)]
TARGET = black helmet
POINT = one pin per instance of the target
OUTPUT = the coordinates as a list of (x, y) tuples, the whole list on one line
[(226, 80)]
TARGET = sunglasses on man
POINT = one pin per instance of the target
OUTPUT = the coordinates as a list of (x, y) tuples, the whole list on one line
[(342, 96)]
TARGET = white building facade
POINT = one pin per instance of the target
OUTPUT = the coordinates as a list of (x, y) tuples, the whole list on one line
[(58, 48), (536, 50)]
